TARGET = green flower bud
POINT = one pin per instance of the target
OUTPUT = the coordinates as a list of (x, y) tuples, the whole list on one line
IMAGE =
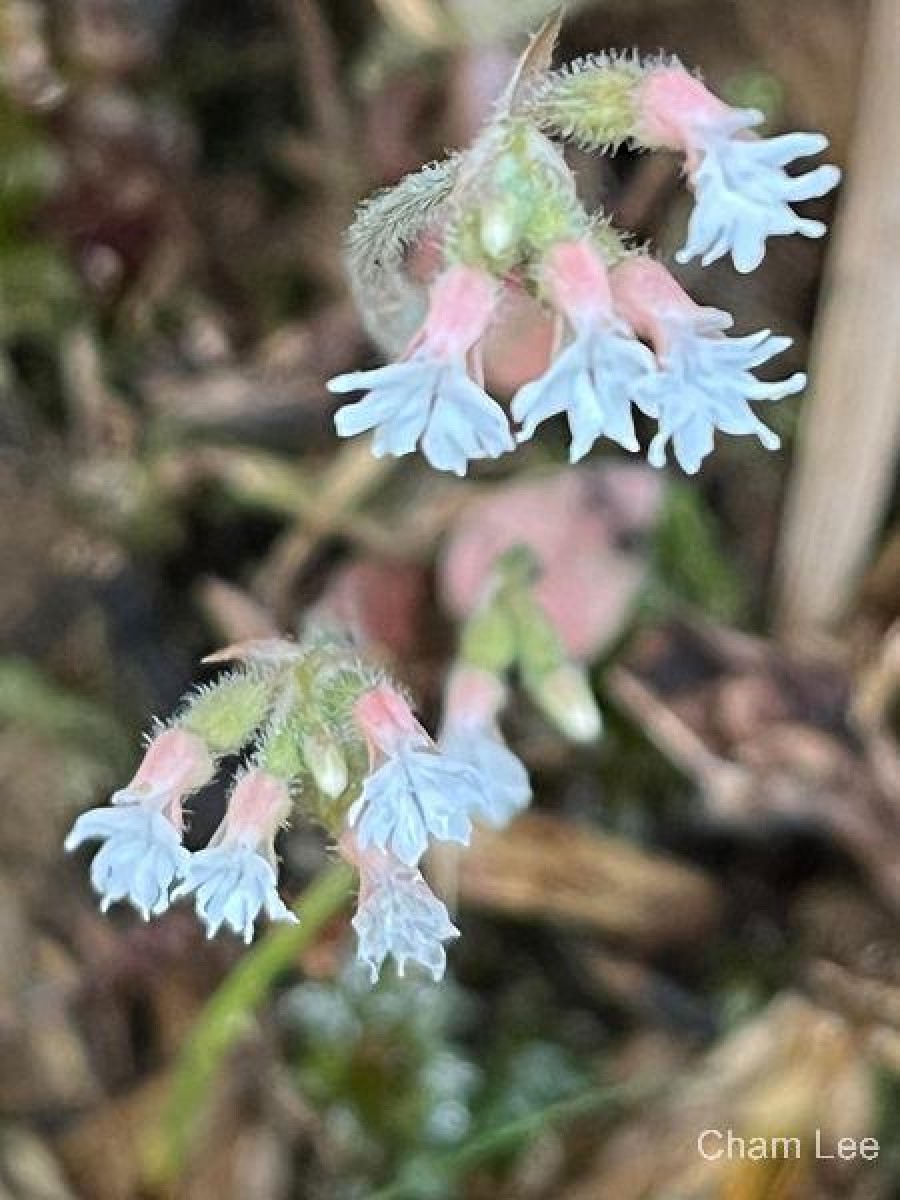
[(565, 695), (539, 648), (280, 752), (521, 199), (326, 764), (591, 101), (227, 714)]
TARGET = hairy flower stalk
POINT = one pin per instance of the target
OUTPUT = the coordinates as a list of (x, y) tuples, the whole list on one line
[(324, 734), (504, 220)]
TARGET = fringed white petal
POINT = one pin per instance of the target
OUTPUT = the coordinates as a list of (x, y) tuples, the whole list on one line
[(506, 789), (594, 381), (140, 859), (704, 383), (743, 194), (232, 886), (416, 795), (399, 916), (428, 402)]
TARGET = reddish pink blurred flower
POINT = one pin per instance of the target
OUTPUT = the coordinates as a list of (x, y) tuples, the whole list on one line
[(570, 522)]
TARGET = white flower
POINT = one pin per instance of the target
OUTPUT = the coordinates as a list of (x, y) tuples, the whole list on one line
[(594, 382), (429, 397), (742, 192), (399, 915), (705, 382), (233, 884), (506, 790), (140, 858), (429, 400), (416, 794), (234, 879)]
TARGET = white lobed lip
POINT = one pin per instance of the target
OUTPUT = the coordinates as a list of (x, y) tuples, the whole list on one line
[(417, 795), (705, 382), (594, 381), (140, 859), (507, 790), (743, 194), (232, 886)]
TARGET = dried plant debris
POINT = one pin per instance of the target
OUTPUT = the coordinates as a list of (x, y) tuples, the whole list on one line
[(678, 906)]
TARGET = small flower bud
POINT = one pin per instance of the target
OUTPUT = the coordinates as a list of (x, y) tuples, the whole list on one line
[(499, 231), (326, 764), (489, 639), (566, 697)]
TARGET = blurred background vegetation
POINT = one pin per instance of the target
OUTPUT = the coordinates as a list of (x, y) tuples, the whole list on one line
[(696, 925)]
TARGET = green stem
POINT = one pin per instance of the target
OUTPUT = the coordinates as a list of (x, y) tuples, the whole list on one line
[(493, 1142), (225, 1016)]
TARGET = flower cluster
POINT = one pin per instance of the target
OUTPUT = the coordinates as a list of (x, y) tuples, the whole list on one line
[(508, 223), (324, 733)]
